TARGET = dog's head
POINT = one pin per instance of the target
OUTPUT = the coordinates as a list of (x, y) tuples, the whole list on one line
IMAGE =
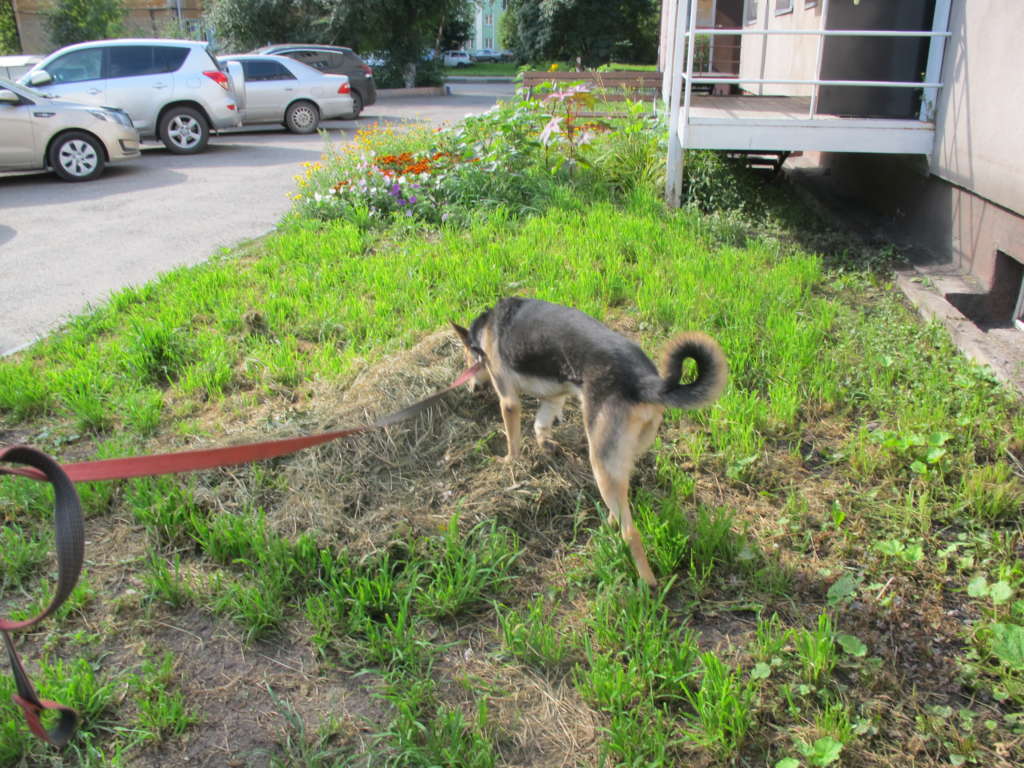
[(473, 348)]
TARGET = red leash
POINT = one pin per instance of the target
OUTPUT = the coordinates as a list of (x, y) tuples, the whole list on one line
[(70, 532)]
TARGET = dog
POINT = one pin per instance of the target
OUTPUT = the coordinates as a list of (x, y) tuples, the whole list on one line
[(550, 351)]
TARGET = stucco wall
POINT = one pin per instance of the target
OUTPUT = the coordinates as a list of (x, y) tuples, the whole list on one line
[(979, 141)]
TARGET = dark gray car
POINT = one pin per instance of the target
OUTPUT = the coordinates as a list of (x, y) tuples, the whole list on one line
[(335, 60)]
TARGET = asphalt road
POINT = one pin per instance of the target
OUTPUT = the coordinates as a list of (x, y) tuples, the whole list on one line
[(64, 247)]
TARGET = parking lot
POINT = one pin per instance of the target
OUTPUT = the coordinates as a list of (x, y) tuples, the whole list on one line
[(65, 246)]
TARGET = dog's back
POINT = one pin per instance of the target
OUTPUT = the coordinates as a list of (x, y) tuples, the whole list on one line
[(541, 340)]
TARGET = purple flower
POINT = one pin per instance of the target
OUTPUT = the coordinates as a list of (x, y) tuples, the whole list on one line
[(395, 190), (412, 199)]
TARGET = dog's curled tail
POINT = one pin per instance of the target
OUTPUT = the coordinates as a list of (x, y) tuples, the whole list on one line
[(712, 372)]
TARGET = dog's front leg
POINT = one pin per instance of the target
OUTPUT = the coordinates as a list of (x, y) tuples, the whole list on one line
[(511, 414)]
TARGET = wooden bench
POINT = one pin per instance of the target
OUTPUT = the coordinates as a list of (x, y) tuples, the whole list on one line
[(616, 85)]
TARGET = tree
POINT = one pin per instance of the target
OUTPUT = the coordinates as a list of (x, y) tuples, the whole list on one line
[(9, 42), (401, 30), (241, 25), (591, 32), (74, 21)]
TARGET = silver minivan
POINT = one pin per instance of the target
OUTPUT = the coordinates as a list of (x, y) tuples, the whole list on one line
[(174, 90)]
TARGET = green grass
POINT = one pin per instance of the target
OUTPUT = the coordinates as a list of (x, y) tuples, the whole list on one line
[(484, 69), (837, 539)]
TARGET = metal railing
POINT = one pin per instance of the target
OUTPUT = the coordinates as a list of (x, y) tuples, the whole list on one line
[(686, 30)]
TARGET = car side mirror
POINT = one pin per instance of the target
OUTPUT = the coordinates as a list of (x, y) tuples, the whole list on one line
[(9, 97), (41, 77)]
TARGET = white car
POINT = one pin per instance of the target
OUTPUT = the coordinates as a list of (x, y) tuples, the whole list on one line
[(487, 54), (279, 89), (174, 90), (74, 140), (457, 59)]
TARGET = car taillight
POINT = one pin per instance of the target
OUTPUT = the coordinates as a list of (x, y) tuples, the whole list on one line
[(367, 70), (218, 77), (344, 87)]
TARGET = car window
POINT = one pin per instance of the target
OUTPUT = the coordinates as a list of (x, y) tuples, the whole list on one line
[(77, 66), (259, 70), (315, 59), (350, 62), (169, 58)]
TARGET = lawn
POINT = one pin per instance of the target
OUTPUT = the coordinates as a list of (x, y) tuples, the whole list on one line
[(484, 69), (838, 539)]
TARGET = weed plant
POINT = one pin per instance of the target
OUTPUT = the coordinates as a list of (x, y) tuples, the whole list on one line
[(838, 539)]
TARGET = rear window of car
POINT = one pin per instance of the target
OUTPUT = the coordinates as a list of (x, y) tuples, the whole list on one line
[(316, 59), (260, 70), (135, 60)]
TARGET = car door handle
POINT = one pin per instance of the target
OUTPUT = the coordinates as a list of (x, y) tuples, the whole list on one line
[(94, 91), (159, 86)]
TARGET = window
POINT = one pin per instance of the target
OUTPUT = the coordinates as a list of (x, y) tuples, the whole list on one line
[(262, 71), (488, 18), (77, 66), (135, 60), (750, 11), (783, 6)]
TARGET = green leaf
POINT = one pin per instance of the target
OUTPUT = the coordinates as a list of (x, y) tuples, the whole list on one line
[(1000, 592), (918, 467), (852, 644), (844, 588), (761, 671), (913, 554), (939, 438), (890, 547), (1008, 645), (978, 587), (788, 762), (824, 751), (934, 454)]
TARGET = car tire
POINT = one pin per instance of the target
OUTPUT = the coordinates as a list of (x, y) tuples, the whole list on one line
[(184, 131), (302, 117), (357, 106), (77, 156)]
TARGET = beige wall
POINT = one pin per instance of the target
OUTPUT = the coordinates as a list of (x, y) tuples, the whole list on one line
[(979, 141), (784, 57), (144, 18)]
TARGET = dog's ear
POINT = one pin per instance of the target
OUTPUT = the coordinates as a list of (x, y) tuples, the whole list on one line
[(463, 333)]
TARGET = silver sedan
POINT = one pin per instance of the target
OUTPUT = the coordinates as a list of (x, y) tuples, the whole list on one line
[(281, 90)]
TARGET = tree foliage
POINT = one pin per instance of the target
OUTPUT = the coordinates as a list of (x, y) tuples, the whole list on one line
[(75, 21), (592, 32), (9, 42), (241, 25), (401, 31)]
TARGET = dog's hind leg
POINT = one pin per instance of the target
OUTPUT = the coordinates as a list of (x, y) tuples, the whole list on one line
[(549, 410), (614, 446)]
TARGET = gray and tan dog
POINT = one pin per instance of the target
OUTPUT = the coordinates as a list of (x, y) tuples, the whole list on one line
[(550, 352)]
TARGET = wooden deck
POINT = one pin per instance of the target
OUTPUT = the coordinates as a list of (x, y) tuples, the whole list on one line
[(782, 123)]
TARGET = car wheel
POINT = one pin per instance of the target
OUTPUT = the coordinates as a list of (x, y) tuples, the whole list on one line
[(357, 105), (302, 117), (77, 156), (184, 131)]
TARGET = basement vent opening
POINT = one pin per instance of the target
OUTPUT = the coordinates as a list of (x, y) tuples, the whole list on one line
[(1003, 305)]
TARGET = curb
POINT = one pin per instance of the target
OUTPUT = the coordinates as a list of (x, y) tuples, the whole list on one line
[(480, 79), (919, 289), (399, 93)]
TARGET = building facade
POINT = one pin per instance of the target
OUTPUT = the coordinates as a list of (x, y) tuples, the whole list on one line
[(485, 31), (143, 18)]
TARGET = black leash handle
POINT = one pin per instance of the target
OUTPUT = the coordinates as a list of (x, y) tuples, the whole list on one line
[(70, 542)]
